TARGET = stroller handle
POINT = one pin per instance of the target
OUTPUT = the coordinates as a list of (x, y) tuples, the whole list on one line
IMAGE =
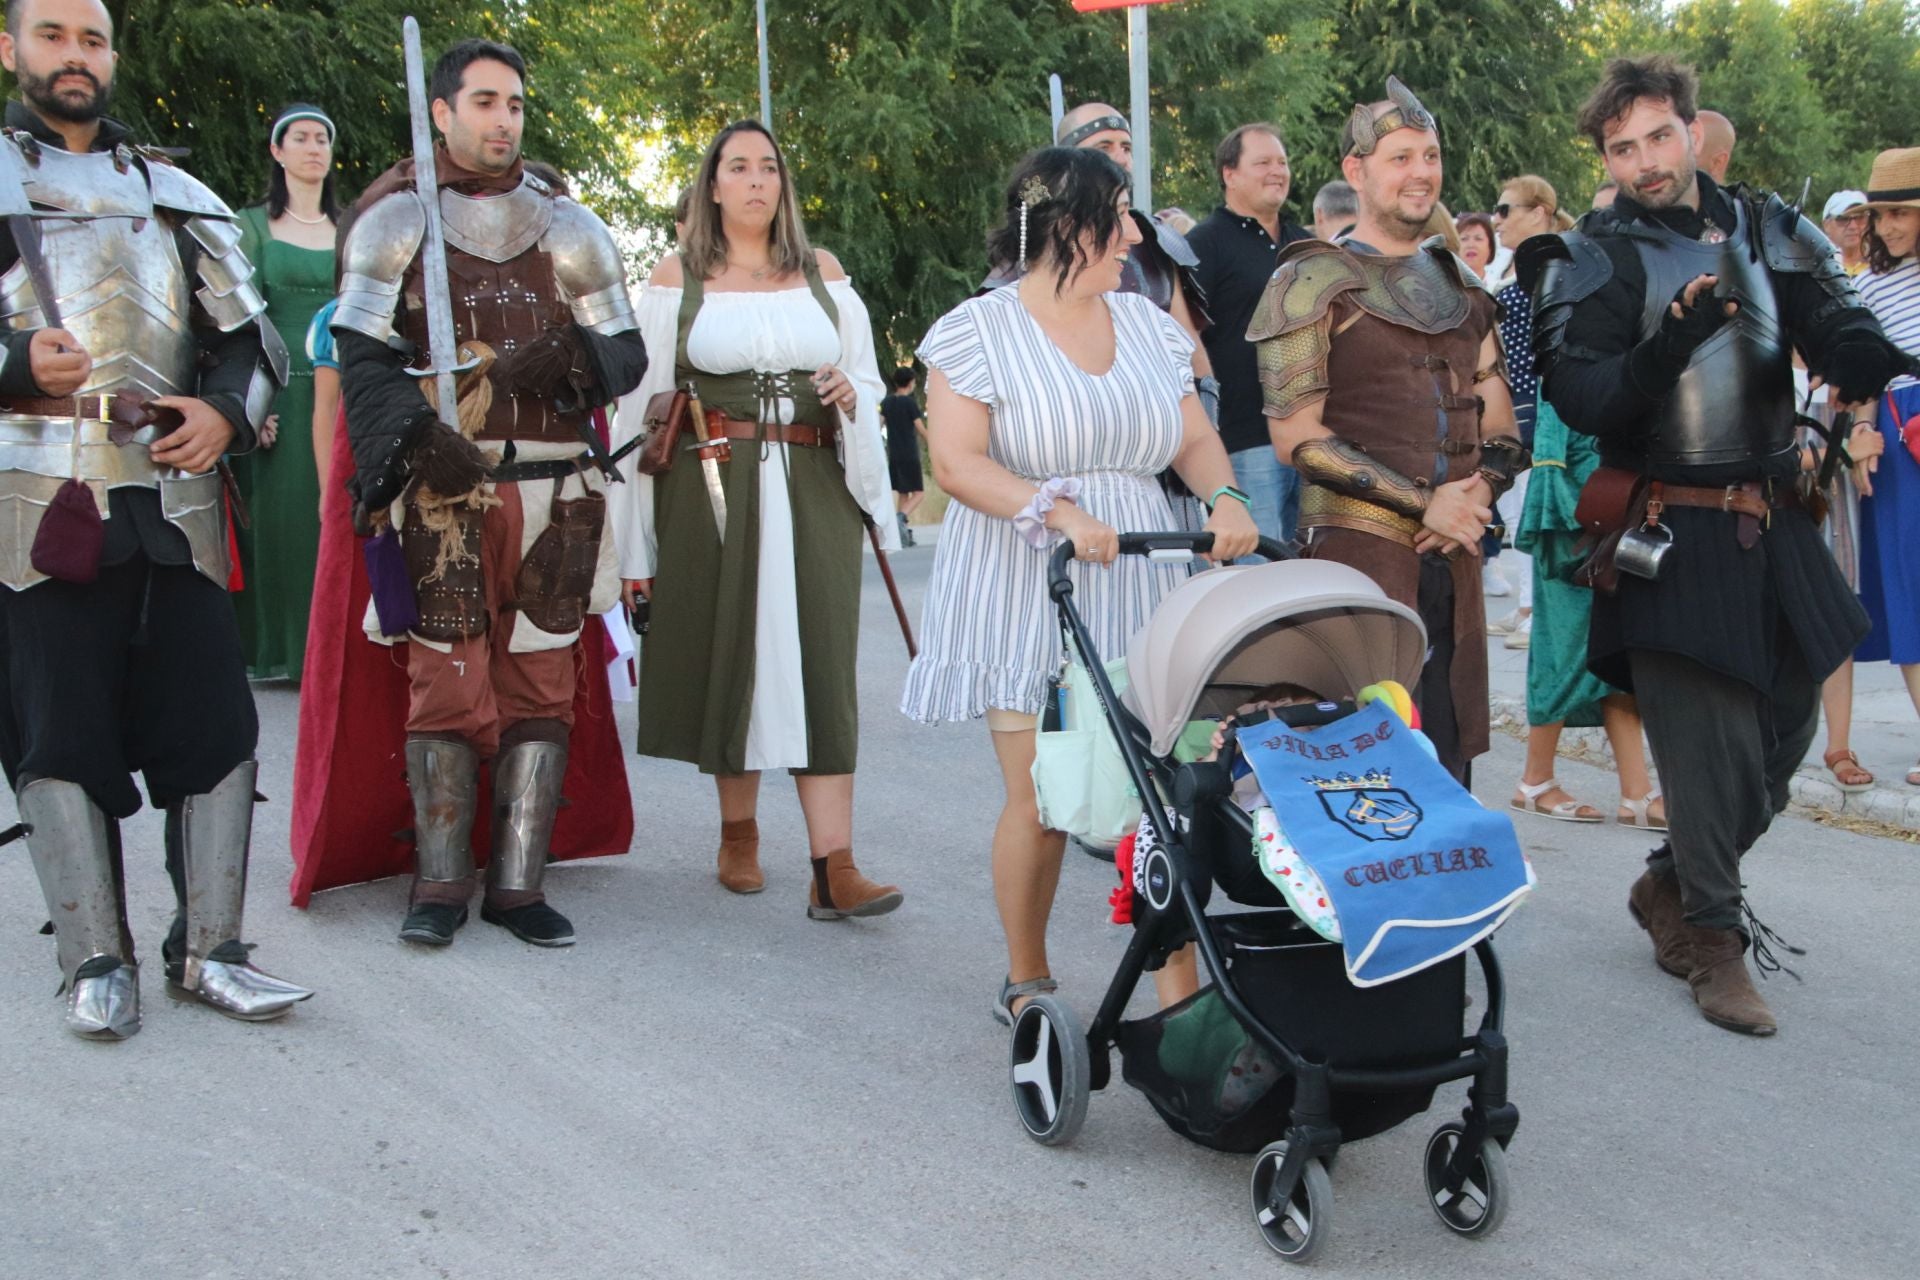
[(1059, 586)]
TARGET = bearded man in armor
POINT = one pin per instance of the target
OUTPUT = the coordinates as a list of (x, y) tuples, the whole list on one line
[(136, 353), (501, 523), (1386, 390), (1667, 330)]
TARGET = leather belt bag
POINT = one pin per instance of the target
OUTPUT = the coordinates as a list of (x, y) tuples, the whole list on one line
[(719, 426)]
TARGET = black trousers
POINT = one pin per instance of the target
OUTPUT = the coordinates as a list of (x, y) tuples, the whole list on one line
[(1726, 752), (138, 671), (1434, 696)]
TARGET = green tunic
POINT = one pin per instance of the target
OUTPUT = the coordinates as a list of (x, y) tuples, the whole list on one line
[(281, 485), (1559, 686), (697, 664)]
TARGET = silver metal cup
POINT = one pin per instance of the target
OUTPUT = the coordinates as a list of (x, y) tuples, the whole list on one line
[(1642, 550)]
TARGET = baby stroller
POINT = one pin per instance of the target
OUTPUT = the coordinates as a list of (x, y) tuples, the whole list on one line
[(1295, 1058)]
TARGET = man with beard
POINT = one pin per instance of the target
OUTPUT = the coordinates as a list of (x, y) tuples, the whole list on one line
[(504, 549), (1386, 390), (119, 651), (1238, 246), (1667, 330)]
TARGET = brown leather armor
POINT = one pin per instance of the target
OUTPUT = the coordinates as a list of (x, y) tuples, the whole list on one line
[(503, 305)]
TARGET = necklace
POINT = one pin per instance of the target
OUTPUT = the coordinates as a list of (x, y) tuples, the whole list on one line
[(311, 222), (760, 274)]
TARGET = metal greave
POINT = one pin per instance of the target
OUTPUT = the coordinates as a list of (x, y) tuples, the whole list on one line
[(443, 776), (72, 847), (526, 796), (215, 831)]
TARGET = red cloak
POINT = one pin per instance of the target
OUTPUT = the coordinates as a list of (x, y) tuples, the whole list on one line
[(352, 814)]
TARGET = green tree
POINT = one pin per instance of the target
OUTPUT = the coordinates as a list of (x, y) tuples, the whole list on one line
[(1863, 57), (1753, 70)]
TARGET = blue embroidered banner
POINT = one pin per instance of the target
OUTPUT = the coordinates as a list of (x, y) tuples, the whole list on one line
[(1416, 870)]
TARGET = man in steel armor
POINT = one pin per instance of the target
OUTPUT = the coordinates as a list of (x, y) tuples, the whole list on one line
[(1386, 390), (136, 353), (501, 523), (1667, 330)]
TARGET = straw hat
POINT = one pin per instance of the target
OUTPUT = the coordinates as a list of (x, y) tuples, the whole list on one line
[(1895, 181)]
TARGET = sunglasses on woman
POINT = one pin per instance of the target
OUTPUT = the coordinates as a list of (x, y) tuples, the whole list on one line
[(1505, 210)]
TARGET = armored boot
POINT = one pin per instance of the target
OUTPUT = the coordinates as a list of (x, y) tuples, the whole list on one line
[(1654, 902), (1722, 987), (208, 837), (526, 796), (443, 775), (76, 854)]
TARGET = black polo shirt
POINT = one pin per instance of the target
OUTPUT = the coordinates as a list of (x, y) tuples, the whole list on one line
[(1236, 259)]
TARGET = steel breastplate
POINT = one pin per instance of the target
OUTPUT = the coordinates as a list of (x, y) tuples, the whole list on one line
[(1734, 400)]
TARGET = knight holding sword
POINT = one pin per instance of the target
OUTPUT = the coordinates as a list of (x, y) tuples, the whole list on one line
[(477, 331), (119, 650)]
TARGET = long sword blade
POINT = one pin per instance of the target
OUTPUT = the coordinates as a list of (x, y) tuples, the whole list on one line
[(441, 346)]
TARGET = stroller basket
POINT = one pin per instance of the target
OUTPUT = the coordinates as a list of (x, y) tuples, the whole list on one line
[(1213, 1082)]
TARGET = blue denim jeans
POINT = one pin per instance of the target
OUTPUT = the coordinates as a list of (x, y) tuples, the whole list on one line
[(1274, 488)]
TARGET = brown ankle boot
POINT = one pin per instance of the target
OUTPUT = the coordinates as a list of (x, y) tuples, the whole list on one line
[(740, 856), (839, 890), (1654, 902), (1722, 987)]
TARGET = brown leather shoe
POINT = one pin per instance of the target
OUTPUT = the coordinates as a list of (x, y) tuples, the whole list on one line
[(1654, 902), (740, 856), (1722, 987), (839, 890)]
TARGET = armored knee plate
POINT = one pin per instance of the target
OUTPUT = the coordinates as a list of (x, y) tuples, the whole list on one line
[(443, 776), (72, 845), (526, 795), (214, 831)]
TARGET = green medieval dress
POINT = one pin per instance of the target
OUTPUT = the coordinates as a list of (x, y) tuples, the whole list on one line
[(281, 485)]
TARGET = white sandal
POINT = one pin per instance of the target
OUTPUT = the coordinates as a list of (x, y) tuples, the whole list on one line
[(1528, 801), (1638, 809)]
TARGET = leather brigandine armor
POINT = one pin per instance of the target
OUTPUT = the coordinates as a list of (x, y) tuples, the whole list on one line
[(139, 253)]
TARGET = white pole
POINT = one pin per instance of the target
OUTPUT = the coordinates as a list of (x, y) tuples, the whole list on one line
[(766, 92), (1142, 145), (1058, 105)]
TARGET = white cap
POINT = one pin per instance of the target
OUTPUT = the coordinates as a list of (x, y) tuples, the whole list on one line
[(1841, 201)]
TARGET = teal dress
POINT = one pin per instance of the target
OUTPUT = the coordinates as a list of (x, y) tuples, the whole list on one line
[(281, 485), (1559, 686)]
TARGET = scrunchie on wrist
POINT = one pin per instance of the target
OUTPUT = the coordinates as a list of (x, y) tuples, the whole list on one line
[(1031, 521)]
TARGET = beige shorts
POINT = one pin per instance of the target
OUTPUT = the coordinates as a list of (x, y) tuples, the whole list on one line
[(1001, 720)]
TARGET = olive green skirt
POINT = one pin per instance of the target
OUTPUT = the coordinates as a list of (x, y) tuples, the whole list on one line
[(697, 661)]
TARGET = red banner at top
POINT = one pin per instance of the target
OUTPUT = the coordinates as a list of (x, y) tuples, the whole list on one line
[(1090, 6)]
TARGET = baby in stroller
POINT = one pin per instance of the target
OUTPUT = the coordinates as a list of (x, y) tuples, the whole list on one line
[(1291, 1049)]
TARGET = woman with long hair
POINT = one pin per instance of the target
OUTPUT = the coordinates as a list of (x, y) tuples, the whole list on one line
[(1053, 404), (1554, 612), (749, 661), (1886, 444), (289, 236)]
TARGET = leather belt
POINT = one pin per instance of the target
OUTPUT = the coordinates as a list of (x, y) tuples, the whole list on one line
[(548, 469), (124, 414), (1753, 501), (785, 433)]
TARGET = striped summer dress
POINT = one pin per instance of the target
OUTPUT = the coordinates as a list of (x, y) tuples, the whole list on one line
[(988, 633)]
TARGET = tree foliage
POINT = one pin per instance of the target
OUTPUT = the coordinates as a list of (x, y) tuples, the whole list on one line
[(902, 117)]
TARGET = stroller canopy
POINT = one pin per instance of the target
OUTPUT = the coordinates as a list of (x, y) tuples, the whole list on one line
[(1224, 635)]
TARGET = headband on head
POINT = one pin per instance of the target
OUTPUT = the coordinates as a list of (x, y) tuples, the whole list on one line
[(1365, 130), (1099, 124), (292, 115)]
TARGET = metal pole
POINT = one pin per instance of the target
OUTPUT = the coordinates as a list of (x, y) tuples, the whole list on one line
[(1057, 103), (766, 91), (1142, 146)]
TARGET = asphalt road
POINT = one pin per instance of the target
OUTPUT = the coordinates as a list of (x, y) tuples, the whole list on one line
[(716, 1086)]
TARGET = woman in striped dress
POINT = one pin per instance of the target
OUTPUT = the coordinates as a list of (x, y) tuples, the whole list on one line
[(1052, 406), (1887, 468)]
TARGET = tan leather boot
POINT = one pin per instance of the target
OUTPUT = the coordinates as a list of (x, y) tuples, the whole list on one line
[(839, 890), (1722, 987), (1654, 902), (740, 857)]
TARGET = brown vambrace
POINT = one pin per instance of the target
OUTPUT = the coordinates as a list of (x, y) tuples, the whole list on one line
[(1501, 459), (1344, 467)]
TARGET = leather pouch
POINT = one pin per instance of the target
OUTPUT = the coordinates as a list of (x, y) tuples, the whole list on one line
[(71, 536), (666, 418), (452, 605), (1609, 503), (556, 575)]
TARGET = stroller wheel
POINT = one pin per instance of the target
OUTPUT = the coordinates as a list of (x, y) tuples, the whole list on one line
[(1093, 850), (1296, 1228), (1051, 1071), (1478, 1205)]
